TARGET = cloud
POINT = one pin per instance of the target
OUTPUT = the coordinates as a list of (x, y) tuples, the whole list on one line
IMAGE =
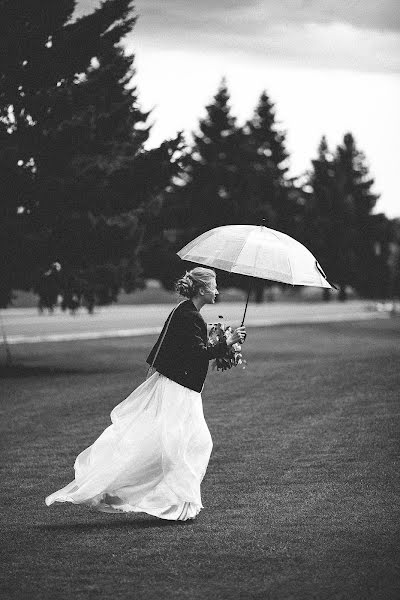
[(359, 35), (383, 15)]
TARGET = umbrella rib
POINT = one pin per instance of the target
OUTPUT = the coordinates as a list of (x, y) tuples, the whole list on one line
[(243, 245), (255, 259), (274, 234), (290, 266), (291, 272)]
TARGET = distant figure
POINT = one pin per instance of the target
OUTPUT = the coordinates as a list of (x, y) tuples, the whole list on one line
[(48, 288), (155, 454), (70, 301)]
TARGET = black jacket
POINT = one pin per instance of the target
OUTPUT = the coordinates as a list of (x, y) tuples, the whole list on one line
[(184, 353)]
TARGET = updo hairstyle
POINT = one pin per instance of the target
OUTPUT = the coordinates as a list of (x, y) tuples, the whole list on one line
[(192, 281)]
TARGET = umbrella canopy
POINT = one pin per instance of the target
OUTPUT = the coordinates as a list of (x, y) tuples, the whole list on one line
[(256, 251)]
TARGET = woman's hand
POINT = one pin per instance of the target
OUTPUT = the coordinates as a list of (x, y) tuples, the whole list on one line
[(238, 336)]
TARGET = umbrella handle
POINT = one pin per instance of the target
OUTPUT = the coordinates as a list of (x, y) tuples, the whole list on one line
[(247, 301)]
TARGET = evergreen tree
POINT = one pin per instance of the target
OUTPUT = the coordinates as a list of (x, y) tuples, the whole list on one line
[(77, 133), (233, 175), (41, 54), (358, 200), (99, 136), (338, 226), (323, 227), (381, 238), (264, 185), (205, 193), (394, 260), (210, 174)]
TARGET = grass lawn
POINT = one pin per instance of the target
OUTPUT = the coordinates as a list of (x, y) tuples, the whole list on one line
[(301, 495)]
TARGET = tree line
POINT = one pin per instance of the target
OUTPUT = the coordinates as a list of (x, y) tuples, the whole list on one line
[(88, 211)]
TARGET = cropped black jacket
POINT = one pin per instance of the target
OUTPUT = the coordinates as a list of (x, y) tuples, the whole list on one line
[(185, 352)]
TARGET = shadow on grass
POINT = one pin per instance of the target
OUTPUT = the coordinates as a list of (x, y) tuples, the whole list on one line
[(14, 371), (152, 523)]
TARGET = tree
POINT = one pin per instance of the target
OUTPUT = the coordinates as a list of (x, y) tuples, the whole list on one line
[(323, 229), (264, 168), (381, 238), (204, 195), (207, 198), (263, 185), (72, 117), (26, 72), (337, 225), (394, 259), (358, 200)]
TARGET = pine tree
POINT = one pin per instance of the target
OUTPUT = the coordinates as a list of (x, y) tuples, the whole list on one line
[(322, 226), (264, 186), (380, 278), (211, 168), (233, 175), (77, 132), (357, 200), (41, 55), (263, 190), (394, 260), (204, 195), (338, 226), (99, 138)]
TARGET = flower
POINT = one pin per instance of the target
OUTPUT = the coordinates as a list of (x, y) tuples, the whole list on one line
[(233, 356)]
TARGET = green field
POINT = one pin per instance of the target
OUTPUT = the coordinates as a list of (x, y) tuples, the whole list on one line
[(301, 495)]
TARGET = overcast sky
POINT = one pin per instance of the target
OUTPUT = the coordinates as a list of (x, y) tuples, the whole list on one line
[(329, 65)]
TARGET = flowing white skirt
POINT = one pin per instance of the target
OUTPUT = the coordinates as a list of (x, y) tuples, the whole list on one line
[(151, 459)]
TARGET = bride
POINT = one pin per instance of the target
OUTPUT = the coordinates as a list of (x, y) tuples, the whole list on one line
[(154, 455)]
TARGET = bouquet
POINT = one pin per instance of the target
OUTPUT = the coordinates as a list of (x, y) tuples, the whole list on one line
[(233, 356)]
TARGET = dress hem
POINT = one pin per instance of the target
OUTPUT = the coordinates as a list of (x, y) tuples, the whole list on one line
[(180, 512)]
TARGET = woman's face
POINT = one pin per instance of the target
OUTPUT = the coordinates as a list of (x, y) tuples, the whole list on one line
[(210, 292)]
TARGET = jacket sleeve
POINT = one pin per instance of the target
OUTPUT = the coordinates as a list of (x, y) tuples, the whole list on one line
[(197, 345)]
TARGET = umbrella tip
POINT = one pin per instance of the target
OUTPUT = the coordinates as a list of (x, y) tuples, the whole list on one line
[(263, 223)]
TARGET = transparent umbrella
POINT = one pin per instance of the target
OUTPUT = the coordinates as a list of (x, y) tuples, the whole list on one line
[(256, 251)]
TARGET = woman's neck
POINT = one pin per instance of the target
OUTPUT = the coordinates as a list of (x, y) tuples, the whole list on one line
[(198, 301)]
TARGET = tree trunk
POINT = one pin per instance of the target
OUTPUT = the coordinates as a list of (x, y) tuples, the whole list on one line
[(326, 294), (259, 291), (342, 293)]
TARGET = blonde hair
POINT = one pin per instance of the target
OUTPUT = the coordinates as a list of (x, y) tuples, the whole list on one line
[(192, 281)]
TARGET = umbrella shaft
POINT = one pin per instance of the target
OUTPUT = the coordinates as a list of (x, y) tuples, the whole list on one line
[(247, 301)]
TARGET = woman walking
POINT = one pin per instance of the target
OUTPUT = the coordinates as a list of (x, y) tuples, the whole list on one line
[(154, 455)]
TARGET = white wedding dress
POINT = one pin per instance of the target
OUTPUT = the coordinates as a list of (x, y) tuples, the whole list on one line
[(151, 459)]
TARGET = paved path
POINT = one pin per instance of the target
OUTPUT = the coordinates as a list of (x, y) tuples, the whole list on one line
[(25, 325)]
